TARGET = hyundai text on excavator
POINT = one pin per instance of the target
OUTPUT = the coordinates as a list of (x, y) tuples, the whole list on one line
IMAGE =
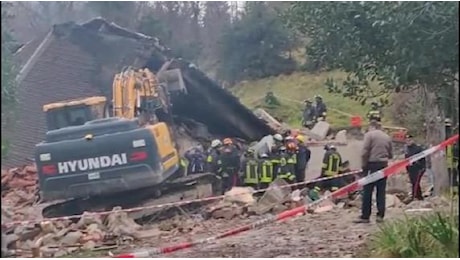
[(99, 154)]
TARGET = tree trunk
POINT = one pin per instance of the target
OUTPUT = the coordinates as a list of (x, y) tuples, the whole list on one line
[(435, 133)]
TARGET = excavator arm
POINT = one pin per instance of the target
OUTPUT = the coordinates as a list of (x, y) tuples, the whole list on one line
[(144, 95)]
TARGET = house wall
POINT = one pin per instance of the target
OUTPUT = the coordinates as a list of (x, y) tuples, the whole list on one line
[(62, 71)]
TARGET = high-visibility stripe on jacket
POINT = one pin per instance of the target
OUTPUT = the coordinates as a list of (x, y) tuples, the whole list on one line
[(331, 164), (251, 175), (374, 114), (450, 156), (184, 165), (266, 171), (285, 169), (292, 159)]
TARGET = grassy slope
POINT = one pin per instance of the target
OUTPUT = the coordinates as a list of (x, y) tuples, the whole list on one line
[(299, 86)]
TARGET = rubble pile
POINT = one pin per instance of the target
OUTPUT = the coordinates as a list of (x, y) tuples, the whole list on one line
[(19, 192), (59, 238)]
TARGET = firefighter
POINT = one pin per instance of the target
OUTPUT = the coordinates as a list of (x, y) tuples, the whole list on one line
[(277, 143), (452, 163), (290, 140), (320, 109), (332, 164), (416, 169), (229, 164), (375, 113), (250, 168), (291, 150), (266, 171), (285, 168), (212, 160), (196, 160), (309, 114), (303, 157)]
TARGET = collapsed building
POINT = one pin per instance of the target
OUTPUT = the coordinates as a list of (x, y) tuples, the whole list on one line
[(80, 60)]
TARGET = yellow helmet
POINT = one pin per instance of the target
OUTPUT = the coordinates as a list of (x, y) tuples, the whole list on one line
[(300, 138)]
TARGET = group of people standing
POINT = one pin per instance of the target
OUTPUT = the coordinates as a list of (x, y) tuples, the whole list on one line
[(286, 159), (314, 113)]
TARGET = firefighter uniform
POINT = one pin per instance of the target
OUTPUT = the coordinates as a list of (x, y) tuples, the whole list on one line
[(285, 168), (332, 163), (251, 171), (374, 115), (229, 162), (266, 171)]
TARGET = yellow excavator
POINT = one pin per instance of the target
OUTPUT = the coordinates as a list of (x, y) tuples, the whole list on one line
[(98, 154)]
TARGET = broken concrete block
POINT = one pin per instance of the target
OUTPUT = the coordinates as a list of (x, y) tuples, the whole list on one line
[(391, 201), (320, 130), (228, 213), (275, 195), (27, 233), (90, 245), (71, 238), (398, 183), (323, 208), (341, 136), (9, 240), (241, 195), (277, 209), (296, 196)]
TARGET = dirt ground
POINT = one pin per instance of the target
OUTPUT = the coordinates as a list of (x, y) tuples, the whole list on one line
[(328, 234)]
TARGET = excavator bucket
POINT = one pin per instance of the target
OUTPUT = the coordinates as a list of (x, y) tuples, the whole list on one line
[(172, 78)]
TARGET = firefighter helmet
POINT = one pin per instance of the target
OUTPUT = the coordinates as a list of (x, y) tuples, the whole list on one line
[(215, 143), (278, 137), (300, 138)]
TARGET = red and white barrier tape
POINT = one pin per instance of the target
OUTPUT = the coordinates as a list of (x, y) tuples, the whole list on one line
[(390, 170), (179, 203)]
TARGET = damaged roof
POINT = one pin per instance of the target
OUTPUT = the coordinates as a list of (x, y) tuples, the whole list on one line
[(79, 60)]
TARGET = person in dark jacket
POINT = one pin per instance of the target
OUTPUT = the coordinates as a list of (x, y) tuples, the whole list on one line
[(213, 157), (416, 169), (230, 164), (196, 161), (320, 108), (303, 157), (309, 114)]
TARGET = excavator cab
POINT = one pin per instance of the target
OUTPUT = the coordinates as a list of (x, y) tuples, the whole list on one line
[(74, 112)]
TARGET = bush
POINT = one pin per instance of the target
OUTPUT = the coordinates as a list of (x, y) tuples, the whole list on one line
[(435, 235)]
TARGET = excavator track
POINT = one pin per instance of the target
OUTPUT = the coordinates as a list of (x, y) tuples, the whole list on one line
[(185, 188)]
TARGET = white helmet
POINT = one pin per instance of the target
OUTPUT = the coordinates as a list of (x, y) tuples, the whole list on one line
[(264, 155), (215, 143), (278, 137)]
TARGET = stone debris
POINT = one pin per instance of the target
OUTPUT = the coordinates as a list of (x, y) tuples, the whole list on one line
[(58, 238), (319, 131), (341, 136), (241, 195)]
